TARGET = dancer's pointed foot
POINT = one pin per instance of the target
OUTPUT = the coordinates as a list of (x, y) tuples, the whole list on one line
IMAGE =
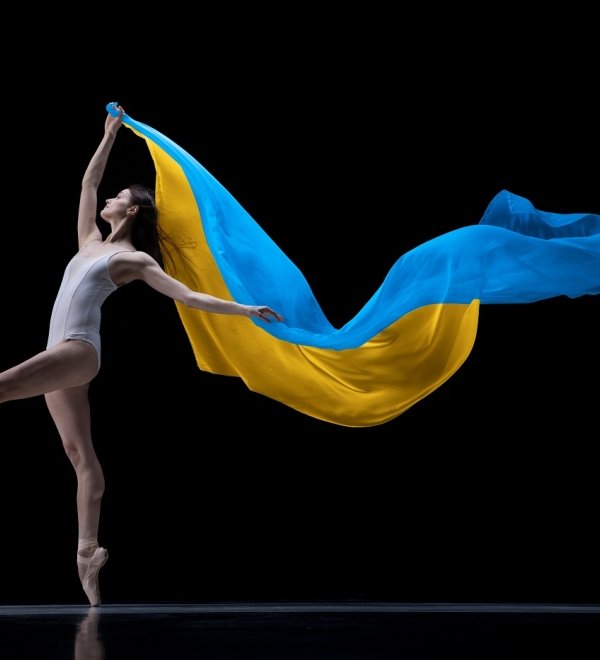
[(89, 567)]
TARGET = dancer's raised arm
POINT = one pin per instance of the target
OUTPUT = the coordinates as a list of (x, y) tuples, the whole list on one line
[(87, 228)]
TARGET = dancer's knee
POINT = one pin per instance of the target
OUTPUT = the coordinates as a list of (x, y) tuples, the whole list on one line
[(88, 470)]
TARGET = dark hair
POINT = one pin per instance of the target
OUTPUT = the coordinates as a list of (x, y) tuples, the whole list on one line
[(148, 236)]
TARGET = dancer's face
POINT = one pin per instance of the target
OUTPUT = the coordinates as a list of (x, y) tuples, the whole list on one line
[(117, 207)]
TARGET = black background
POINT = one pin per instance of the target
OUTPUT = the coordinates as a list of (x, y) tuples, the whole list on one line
[(350, 143)]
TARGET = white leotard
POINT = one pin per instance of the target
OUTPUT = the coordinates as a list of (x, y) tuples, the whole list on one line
[(76, 313)]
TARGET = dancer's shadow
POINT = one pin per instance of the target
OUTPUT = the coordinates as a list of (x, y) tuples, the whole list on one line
[(88, 643)]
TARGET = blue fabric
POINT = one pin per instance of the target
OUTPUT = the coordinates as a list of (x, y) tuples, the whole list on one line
[(516, 254)]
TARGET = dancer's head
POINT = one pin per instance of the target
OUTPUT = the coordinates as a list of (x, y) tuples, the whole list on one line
[(137, 202)]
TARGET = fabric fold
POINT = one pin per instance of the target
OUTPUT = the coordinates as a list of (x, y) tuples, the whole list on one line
[(413, 333)]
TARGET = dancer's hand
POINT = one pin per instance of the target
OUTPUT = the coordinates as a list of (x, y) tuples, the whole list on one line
[(262, 312), (112, 124)]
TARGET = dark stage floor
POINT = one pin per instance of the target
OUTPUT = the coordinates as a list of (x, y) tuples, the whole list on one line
[(290, 631)]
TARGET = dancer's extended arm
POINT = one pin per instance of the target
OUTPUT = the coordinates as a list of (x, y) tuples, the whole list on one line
[(141, 266)]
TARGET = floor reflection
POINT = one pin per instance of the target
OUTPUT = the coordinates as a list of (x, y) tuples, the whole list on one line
[(88, 643), (299, 631)]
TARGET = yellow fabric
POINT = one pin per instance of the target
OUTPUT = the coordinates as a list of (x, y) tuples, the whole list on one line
[(365, 386)]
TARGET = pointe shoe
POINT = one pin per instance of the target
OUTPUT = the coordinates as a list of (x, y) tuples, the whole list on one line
[(92, 565)]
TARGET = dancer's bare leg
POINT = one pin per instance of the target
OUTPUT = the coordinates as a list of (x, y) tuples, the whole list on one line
[(63, 373), (68, 364), (70, 410)]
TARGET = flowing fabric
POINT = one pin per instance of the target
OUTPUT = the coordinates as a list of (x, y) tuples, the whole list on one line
[(414, 332)]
